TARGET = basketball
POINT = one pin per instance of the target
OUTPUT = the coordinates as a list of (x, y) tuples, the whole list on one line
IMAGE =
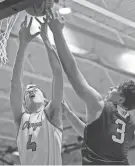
[(40, 8)]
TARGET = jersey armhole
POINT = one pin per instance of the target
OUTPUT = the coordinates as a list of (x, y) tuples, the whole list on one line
[(50, 120), (101, 114), (52, 123)]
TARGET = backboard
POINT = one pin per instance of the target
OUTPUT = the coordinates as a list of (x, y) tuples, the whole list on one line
[(10, 7)]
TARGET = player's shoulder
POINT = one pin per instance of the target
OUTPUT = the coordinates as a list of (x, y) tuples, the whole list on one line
[(24, 112), (52, 118), (25, 117), (109, 107), (109, 104)]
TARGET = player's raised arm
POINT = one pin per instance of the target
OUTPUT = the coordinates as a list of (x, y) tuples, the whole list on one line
[(16, 98), (75, 122), (57, 84), (90, 96)]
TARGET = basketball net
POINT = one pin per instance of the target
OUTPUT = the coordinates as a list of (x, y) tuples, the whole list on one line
[(6, 26)]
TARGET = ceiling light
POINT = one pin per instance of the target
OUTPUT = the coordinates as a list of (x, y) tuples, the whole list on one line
[(65, 10)]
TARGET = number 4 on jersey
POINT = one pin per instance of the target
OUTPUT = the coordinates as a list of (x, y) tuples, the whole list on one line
[(31, 145)]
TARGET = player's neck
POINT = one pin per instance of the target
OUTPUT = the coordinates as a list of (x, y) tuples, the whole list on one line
[(36, 108), (122, 107)]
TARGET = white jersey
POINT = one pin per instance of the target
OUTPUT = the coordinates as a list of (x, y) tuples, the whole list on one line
[(39, 142)]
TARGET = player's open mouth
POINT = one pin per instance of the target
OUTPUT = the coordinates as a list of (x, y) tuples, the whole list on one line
[(31, 95)]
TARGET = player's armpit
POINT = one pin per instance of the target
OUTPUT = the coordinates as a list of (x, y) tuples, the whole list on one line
[(54, 115), (77, 124)]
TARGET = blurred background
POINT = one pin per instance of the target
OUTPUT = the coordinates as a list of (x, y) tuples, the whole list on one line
[(101, 35)]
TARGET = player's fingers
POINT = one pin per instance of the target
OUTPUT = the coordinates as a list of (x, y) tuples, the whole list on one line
[(38, 20), (48, 15), (25, 21), (22, 24), (30, 23), (51, 13), (45, 20)]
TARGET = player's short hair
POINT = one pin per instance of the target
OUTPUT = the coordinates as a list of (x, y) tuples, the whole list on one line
[(128, 92)]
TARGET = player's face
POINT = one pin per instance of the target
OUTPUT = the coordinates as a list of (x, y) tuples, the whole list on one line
[(114, 95), (33, 95)]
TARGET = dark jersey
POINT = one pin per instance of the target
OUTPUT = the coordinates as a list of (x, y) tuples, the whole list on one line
[(107, 139)]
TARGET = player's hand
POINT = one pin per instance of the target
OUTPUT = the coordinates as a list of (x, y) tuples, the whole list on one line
[(24, 34), (56, 23), (44, 31), (43, 28)]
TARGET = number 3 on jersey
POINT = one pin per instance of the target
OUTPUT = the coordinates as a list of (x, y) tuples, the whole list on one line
[(121, 131), (31, 145)]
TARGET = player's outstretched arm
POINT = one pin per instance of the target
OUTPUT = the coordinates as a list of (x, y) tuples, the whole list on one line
[(75, 122), (16, 84), (90, 96), (57, 84)]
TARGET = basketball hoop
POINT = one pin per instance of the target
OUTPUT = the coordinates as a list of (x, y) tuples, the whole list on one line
[(6, 26)]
